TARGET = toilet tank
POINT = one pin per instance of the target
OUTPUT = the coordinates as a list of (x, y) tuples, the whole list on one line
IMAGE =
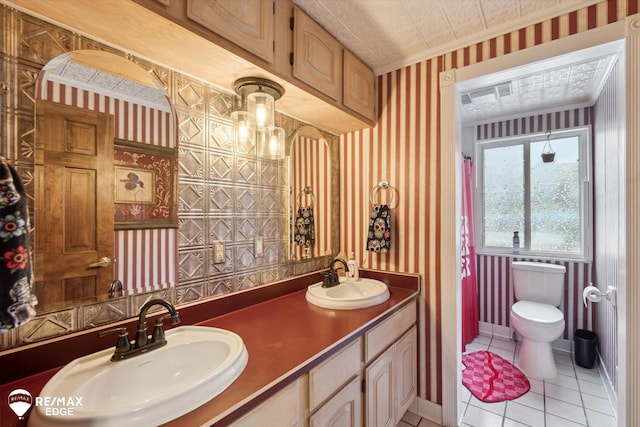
[(538, 282)]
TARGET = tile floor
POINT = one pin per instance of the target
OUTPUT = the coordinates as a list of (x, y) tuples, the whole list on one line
[(576, 397)]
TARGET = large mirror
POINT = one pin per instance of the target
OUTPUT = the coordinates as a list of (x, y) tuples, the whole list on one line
[(105, 138), (313, 202), (101, 99)]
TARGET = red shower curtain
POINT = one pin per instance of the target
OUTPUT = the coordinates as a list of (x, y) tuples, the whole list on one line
[(468, 253)]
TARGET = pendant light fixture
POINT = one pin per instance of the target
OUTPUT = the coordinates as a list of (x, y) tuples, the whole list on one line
[(254, 118)]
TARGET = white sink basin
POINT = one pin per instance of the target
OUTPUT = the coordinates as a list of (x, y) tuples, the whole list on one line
[(348, 295), (196, 364)]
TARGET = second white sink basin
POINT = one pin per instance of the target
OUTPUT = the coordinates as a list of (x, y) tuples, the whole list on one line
[(348, 295), (195, 365)]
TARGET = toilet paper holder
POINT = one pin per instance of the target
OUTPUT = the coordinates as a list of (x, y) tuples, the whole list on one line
[(592, 290)]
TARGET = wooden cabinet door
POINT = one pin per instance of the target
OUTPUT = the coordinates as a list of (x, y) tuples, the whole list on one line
[(74, 203), (406, 387), (379, 391), (247, 23), (342, 410), (359, 93), (317, 56)]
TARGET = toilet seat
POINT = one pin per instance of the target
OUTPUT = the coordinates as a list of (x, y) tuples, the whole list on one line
[(544, 315)]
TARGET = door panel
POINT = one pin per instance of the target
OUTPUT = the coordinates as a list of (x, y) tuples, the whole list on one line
[(74, 203)]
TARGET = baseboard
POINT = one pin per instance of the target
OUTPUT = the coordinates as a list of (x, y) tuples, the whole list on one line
[(606, 381), (427, 409)]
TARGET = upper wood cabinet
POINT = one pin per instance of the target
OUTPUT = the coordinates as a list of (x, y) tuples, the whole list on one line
[(317, 56), (359, 93), (247, 23)]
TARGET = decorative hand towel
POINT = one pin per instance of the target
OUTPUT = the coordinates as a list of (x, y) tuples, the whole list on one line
[(304, 232), (379, 237), (16, 279)]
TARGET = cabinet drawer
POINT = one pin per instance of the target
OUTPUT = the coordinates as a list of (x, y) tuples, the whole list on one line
[(386, 333), (328, 377), (285, 408)]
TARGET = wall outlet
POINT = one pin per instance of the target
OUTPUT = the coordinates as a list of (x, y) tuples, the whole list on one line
[(258, 247), (219, 252)]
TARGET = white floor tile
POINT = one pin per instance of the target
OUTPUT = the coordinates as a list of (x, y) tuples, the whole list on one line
[(553, 421), (532, 400), (588, 375), (496, 408), (600, 420), (565, 410), (566, 370), (537, 386), (598, 404), (525, 414), (503, 344), (592, 388), (562, 393), (512, 423), (562, 358), (477, 417), (563, 381), (562, 397)]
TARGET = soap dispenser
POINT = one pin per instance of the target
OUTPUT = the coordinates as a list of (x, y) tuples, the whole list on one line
[(352, 265)]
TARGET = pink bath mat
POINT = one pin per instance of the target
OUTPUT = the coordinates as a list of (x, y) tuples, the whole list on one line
[(491, 378)]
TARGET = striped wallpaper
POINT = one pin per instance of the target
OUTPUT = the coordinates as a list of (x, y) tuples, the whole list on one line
[(157, 247), (311, 164), (609, 184), (404, 148)]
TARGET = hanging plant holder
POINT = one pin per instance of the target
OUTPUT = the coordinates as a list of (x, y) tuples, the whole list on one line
[(548, 155)]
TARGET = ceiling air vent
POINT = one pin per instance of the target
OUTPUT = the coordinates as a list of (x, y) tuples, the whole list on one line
[(487, 94)]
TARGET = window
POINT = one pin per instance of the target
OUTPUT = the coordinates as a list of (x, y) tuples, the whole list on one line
[(549, 204)]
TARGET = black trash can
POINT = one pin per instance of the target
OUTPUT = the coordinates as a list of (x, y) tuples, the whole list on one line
[(585, 348)]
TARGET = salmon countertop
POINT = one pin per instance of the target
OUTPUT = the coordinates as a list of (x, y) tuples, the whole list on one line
[(285, 337)]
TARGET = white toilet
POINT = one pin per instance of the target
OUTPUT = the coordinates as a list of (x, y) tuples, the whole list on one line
[(538, 290)]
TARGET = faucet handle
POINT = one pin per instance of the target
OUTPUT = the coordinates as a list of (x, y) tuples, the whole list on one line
[(158, 333), (123, 343)]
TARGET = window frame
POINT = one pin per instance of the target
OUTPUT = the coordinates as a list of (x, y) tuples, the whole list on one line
[(586, 194)]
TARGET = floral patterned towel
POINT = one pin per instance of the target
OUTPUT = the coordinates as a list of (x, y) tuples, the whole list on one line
[(379, 237), (16, 279), (304, 233)]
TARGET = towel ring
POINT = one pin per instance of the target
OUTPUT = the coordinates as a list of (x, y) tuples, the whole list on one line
[(307, 190), (384, 185)]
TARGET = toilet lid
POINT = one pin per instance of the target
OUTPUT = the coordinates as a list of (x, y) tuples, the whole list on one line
[(537, 312)]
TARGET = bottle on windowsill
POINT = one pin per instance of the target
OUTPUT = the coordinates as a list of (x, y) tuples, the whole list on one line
[(516, 243)]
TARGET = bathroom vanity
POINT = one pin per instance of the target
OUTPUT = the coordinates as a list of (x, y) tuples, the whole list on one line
[(305, 363)]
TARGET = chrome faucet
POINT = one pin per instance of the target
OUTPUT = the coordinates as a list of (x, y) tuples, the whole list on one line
[(143, 343), (331, 278)]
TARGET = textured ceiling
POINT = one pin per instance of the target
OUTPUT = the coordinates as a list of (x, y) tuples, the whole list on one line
[(64, 69), (391, 34), (576, 83)]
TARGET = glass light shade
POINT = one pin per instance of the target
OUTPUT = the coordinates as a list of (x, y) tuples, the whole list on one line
[(271, 142), (243, 133), (261, 108)]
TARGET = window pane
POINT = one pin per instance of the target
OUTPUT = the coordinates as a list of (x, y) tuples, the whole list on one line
[(503, 175), (555, 197)]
